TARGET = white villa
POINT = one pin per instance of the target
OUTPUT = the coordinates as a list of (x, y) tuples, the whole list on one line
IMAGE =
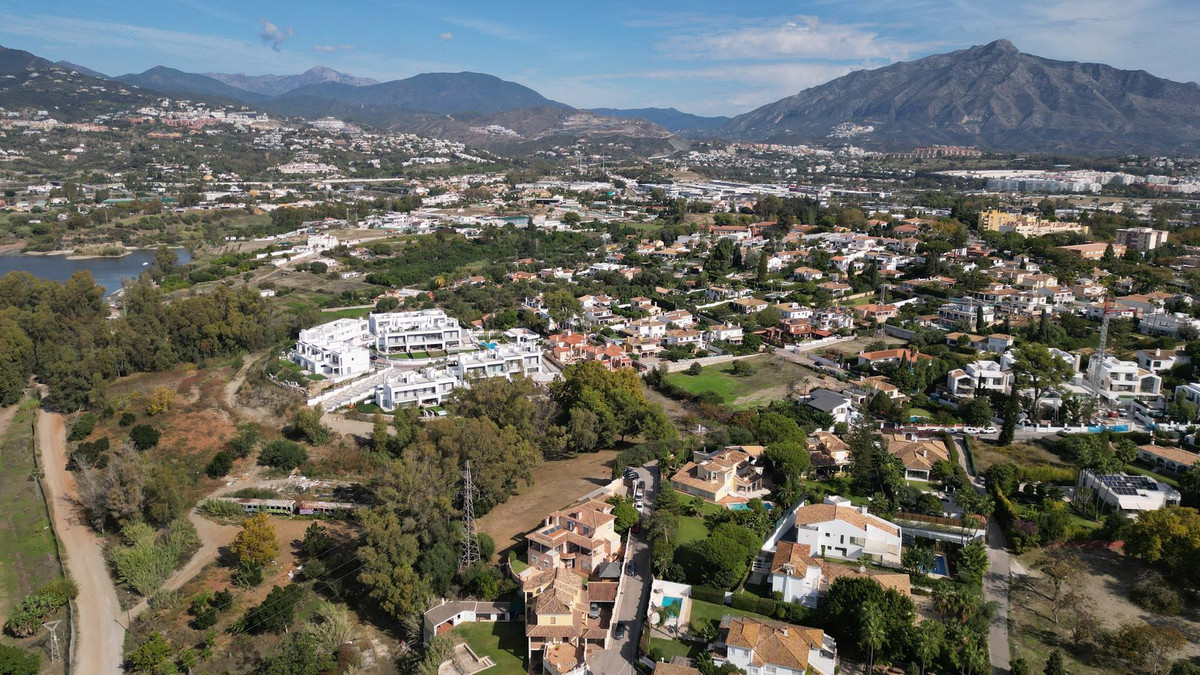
[(336, 349), (419, 331)]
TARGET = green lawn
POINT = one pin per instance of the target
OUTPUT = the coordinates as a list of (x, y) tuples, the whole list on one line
[(709, 508), (707, 612), (345, 313), (920, 412), (1139, 469), (26, 536), (516, 563), (504, 641), (672, 648), (691, 529), (771, 379)]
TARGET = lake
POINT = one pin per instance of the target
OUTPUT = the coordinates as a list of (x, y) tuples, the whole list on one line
[(107, 272)]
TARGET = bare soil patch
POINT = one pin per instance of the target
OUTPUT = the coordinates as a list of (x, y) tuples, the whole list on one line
[(555, 485)]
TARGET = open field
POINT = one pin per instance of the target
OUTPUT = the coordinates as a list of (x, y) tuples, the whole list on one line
[(859, 344), (773, 378), (26, 537), (555, 485), (1029, 454), (1106, 579), (504, 641)]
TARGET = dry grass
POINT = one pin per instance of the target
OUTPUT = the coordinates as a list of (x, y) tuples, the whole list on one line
[(555, 485), (988, 454), (1106, 578)]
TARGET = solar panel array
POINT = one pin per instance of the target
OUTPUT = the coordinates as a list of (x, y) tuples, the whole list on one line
[(1126, 485)]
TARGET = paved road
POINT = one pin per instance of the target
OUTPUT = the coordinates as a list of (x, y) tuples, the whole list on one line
[(100, 633), (995, 581), (621, 655)]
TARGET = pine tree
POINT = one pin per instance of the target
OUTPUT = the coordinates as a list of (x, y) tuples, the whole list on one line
[(1054, 664), (762, 266)]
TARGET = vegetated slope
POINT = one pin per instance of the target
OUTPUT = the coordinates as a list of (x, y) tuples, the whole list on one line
[(993, 96), (31, 83), (276, 85), (437, 92), (172, 81), (671, 119)]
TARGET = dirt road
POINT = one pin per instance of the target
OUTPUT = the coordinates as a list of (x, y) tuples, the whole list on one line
[(100, 633)]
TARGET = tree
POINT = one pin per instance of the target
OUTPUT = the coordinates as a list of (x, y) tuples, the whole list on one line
[(220, 465), (927, 642), (740, 368), (976, 412), (775, 428), (302, 653), (787, 460), (255, 543), (695, 368), (1040, 369), (1009, 414), (1170, 536), (918, 559), (161, 400), (306, 423), (624, 512), (283, 454), (144, 437), (387, 304), (16, 661), (583, 430), (1082, 623), (1054, 664), (151, 654), (1061, 568), (762, 271), (243, 442), (725, 555), (871, 633), (274, 614), (379, 434), (973, 562)]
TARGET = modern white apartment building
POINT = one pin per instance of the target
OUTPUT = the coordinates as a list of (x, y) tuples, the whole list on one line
[(1118, 380), (1131, 494), (503, 361), (425, 387), (419, 331), (1175, 324), (1141, 238), (336, 349), (967, 311)]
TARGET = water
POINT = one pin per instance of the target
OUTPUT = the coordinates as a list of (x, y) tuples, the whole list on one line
[(741, 506), (939, 566), (107, 272)]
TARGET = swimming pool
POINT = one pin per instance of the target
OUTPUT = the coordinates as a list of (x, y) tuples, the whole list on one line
[(746, 507), (671, 601), (939, 566)]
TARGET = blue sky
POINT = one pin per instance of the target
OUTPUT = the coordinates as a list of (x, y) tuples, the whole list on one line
[(701, 56)]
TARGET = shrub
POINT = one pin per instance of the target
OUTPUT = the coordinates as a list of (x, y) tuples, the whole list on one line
[(752, 603), (283, 454), (161, 400), (90, 454), (148, 557), (1153, 593), (275, 613), (127, 419), (16, 661), (165, 599), (144, 437), (708, 594), (248, 575), (221, 465), (222, 600), (695, 369), (82, 428), (220, 508), (243, 442), (34, 608)]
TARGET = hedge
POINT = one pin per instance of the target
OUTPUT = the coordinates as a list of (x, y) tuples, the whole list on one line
[(708, 594)]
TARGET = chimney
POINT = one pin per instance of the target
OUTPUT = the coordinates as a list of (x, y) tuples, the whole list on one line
[(784, 630)]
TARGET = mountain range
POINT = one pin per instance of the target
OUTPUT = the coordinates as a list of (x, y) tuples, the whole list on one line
[(992, 96)]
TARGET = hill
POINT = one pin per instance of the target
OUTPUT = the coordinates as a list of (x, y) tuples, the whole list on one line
[(438, 93), (992, 96), (172, 81), (29, 82), (670, 119), (276, 85)]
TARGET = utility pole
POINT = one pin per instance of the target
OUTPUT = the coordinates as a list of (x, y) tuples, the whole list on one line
[(55, 651), (470, 552)]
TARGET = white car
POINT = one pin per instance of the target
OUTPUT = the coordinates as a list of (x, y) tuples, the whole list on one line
[(989, 430), (971, 431)]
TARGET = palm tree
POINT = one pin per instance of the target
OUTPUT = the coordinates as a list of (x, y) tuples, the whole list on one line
[(928, 642), (871, 631)]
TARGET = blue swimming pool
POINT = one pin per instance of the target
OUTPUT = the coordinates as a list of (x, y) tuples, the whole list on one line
[(746, 507), (939, 566), (672, 601)]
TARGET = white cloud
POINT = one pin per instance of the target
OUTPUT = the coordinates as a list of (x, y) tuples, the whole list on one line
[(798, 37), (328, 49), (347, 48), (489, 28), (446, 37), (272, 35)]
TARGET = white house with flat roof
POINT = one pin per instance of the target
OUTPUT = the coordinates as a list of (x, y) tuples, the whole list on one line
[(424, 387), (1129, 493), (420, 331), (336, 349), (505, 360)]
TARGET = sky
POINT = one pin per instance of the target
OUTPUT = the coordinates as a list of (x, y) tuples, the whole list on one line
[(702, 56)]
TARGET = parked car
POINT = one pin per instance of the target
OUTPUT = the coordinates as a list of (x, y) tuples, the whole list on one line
[(594, 611), (971, 431), (621, 631), (631, 568), (989, 430), (641, 485)]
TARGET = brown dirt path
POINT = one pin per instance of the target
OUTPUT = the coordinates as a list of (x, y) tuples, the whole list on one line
[(100, 633)]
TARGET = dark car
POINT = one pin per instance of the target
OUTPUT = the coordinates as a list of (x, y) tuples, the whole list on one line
[(641, 485), (631, 568), (621, 631)]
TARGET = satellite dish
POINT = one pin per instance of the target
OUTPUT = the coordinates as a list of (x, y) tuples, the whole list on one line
[(654, 618)]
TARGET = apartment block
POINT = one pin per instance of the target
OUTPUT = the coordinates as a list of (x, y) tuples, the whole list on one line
[(1141, 238), (419, 331)]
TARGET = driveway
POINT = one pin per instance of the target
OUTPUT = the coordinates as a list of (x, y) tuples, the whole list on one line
[(995, 580), (621, 655), (100, 630)]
